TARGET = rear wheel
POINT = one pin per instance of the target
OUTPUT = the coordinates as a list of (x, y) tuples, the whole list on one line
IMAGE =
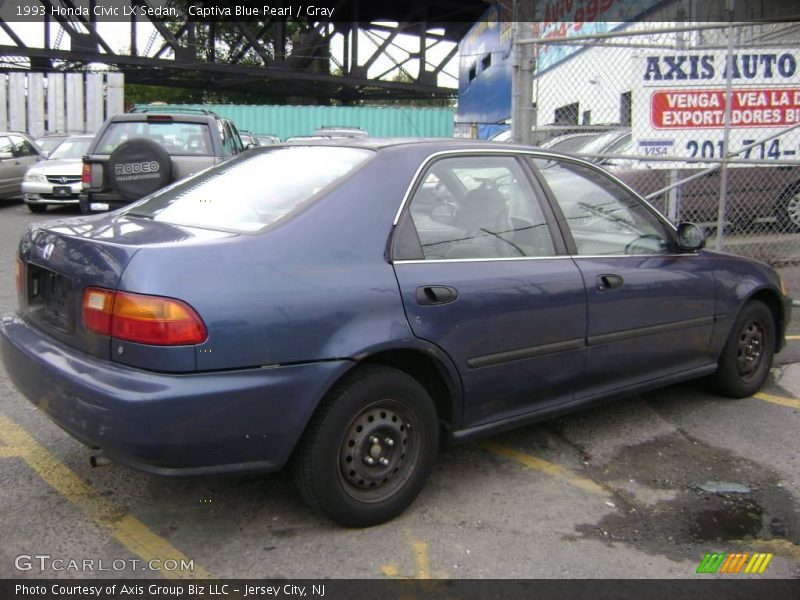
[(369, 448), (747, 356), (787, 211)]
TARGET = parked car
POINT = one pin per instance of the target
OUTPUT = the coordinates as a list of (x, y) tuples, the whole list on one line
[(56, 180), (266, 139), (349, 315), (587, 143), (754, 192), (248, 139), (542, 134), (137, 153), (49, 142), (18, 151), (340, 131)]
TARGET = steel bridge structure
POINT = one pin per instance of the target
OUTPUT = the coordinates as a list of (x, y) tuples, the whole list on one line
[(278, 56)]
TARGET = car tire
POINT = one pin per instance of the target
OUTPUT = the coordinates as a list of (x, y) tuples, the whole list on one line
[(787, 212), (746, 359), (369, 447), (37, 208), (139, 167)]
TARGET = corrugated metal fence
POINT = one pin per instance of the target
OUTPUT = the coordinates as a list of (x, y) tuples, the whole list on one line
[(378, 121), (57, 102)]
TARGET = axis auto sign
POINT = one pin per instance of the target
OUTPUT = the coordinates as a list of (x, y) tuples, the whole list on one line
[(680, 98)]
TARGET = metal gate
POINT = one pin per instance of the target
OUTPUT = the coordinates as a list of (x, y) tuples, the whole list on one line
[(703, 120)]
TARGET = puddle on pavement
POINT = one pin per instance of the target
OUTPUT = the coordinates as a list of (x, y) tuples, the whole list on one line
[(747, 502)]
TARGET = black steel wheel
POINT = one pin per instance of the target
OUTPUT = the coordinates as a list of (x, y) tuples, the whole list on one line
[(746, 359), (369, 447)]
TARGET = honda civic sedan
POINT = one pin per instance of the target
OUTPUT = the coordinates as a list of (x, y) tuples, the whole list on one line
[(343, 306)]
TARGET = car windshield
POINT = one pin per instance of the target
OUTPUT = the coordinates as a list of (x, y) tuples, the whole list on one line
[(48, 144), (253, 190), (71, 148), (177, 138)]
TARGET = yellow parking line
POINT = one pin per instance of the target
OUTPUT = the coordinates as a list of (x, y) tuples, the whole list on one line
[(127, 529), (777, 546), (423, 564), (11, 452), (548, 468), (793, 337), (782, 400), (423, 571)]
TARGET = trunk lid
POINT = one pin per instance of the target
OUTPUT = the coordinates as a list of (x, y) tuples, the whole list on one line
[(60, 260)]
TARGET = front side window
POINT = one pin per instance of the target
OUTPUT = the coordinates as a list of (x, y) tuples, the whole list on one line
[(603, 217), (21, 147), (478, 207), (251, 191)]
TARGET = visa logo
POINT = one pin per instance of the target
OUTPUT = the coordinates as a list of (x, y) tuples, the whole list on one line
[(656, 147)]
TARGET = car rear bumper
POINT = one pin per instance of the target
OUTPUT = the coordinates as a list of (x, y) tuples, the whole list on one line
[(203, 423), (100, 202), (42, 193)]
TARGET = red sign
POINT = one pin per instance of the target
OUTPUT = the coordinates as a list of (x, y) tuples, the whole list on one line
[(705, 109)]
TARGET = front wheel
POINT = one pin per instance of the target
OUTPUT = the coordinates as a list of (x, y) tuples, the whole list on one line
[(37, 208), (747, 356), (369, 448)]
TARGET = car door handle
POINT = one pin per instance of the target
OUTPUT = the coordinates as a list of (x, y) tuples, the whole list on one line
[(609, 282), (436, 294)]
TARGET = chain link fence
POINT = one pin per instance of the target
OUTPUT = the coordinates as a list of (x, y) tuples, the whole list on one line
[(704, 121)]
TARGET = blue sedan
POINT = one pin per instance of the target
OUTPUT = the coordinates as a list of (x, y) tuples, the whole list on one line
[(341, 306)]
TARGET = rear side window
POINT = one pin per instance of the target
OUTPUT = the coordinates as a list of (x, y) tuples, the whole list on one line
[(179, 139), (253, 190)]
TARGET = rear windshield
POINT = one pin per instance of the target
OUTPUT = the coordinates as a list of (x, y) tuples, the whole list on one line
[(252, 190), (179, 139)]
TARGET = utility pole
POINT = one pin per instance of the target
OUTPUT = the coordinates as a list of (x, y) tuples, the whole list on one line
[(522, 72)]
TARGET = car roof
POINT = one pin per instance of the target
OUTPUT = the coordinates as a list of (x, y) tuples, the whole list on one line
[(176, 116), (435, 144)]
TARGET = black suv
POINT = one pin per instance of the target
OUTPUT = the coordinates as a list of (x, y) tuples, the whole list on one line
[(137, 153)]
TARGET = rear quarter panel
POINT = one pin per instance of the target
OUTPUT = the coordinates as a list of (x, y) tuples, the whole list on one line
[(316, 287)]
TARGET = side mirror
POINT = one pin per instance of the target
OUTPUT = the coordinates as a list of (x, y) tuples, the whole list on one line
[(690, 237), (45, 153), (6, 155)]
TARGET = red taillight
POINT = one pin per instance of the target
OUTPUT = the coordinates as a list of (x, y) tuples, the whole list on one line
[(143, 319), (97, 306), (20, 276), (86, 175)]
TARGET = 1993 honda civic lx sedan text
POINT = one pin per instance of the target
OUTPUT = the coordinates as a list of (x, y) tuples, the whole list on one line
[(343, 305)]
